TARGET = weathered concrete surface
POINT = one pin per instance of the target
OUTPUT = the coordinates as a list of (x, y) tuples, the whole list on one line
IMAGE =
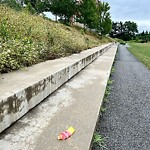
[(76, 104), (22, 90)]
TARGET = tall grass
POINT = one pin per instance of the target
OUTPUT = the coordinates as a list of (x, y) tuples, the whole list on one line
[(28, 39), (142, 52)]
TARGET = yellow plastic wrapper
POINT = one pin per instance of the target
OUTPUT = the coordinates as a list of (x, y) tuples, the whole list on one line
[(66, 134)]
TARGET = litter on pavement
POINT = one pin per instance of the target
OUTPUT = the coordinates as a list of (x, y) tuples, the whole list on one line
[(66, 134)]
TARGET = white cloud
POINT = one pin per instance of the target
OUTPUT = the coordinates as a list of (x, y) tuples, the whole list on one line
[(131, 10)]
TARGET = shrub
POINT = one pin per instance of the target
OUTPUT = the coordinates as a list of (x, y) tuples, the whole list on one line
[(28, 39)]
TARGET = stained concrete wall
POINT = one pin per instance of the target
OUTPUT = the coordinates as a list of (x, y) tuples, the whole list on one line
[(19, 101)]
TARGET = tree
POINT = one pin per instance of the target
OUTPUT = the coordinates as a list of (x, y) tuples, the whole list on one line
[(37, 5), (143, 37), (63, 8), (21, 2), (88, 13), (30, 9), (117, 29), (105, 23), (125, 31), (130, 29)]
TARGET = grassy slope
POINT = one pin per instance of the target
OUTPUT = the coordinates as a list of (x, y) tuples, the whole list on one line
[(26, 39), (142, 52)]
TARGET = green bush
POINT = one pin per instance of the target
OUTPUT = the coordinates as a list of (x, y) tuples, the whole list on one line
[(120, 41), (12, 4), (28, 39)]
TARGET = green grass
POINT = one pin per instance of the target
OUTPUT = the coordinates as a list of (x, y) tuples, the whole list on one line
[(107, 91), (27, 39), (106, 95), (110, 82), (142, 52), (103, 109), (120, 41), (113, 69), (99, 140)]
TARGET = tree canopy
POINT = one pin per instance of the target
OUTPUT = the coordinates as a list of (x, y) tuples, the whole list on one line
[(125, 31), (105, 23), (88, 13), (38, 5), (63, 8)]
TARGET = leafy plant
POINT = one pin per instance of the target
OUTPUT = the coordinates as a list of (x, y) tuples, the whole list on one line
[(110, 82), (105, 100), (99, 140), (103, 109), (107, 92), (113, 70)]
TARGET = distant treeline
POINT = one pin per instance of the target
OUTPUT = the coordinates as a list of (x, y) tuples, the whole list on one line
[(143, 37), (129, 31)]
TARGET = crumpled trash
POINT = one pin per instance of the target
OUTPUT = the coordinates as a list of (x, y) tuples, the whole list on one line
[(66, 134)]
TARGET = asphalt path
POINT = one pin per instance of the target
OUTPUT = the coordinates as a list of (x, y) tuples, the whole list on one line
[(126, 122)]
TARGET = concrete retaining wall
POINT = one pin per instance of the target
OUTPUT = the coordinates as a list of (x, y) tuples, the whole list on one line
[(18, 102)]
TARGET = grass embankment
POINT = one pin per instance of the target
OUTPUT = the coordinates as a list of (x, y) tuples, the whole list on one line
[(28, 39), (142, 52)]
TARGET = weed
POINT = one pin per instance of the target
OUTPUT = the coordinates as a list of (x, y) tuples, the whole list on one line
[(113, 70), (107, 92), (82, 31), (99, 140), (103, 109), (105, 100), (109, 82)]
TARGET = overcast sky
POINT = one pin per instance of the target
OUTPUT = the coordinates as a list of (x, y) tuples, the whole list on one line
[(131, 10)]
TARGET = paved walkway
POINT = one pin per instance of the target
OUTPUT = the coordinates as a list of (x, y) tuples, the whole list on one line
[(76, 104), (126, 123)]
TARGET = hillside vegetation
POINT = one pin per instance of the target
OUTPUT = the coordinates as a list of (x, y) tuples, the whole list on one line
[(28, 39), (142, 52)]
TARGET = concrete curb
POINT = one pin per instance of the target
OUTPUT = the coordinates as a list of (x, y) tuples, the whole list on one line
[(18, 97)]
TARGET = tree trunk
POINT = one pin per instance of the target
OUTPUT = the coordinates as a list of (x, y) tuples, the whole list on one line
[(56, 18)]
